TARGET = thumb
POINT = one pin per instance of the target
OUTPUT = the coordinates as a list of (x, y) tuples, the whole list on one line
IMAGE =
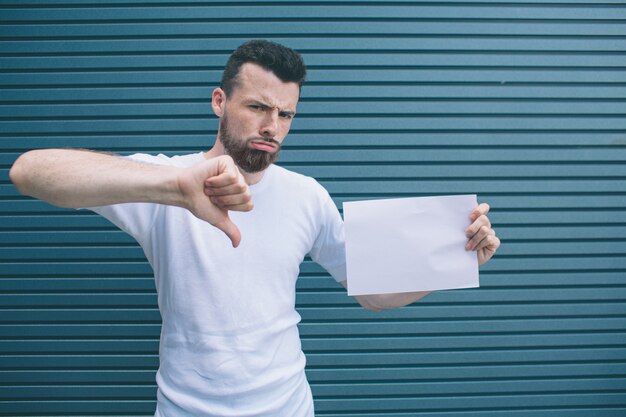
[(230, 229)]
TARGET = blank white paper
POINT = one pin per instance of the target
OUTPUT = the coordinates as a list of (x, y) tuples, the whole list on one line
[(409, 244)]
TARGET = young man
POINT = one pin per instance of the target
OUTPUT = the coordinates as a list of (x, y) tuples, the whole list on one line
[(225, 272)]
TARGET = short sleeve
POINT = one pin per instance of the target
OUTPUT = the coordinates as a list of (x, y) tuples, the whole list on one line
[(136, 219), (329, 249)]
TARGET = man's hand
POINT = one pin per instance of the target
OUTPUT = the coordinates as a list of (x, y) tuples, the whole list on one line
[(481, 237), (213, 187)]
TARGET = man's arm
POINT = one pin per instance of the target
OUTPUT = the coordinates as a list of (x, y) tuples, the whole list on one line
[(379, 302), (80, 178), (481, 238)]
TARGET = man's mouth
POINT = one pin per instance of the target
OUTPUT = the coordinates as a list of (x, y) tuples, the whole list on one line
[(264, 145)]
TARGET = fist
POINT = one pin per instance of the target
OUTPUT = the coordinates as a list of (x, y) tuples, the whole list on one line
[(212, 188)]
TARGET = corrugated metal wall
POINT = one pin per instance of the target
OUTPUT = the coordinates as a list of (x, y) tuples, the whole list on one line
[(522, 102)]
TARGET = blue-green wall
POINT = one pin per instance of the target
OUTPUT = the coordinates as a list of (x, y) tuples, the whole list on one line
[(522, 102)]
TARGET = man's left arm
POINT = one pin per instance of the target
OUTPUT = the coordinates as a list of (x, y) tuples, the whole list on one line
[(481, 238)]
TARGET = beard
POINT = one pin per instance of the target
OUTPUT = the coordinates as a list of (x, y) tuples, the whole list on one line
[(247, 159)]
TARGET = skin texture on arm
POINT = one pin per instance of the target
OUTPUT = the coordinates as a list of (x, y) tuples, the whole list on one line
[(481, 238), (80, 178), (379, 302)]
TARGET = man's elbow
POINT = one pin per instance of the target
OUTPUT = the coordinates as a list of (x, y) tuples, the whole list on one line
[(380, 302), (18, 174), (369, 303)]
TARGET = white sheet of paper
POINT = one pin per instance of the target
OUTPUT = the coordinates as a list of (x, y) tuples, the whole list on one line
[(409, 244)]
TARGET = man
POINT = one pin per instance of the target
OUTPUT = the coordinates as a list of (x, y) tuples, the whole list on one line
[(225, 272)]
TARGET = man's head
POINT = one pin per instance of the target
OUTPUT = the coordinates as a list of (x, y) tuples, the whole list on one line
[(257, 101)]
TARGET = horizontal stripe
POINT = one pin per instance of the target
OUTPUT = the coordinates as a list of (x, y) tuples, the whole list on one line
[(53, 407), (171, 144), (393, 93), (329, 315), (570, 205), (104, 253), (202, 78), (307, 110), (589, 234), (299, 11), (339, 59), (307, 45), (320, 299), (454, 372), (328, 391), (410, 358), (147, 3), (460, 372), (320, 28), (582, 223), (429, 156)]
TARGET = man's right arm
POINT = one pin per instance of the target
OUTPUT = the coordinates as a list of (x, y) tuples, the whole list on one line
[(81, 178)]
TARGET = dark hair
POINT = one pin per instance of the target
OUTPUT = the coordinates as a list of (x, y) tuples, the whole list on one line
[(284, 62)]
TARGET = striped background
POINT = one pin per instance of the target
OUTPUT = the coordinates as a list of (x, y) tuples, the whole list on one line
[(521, 102)]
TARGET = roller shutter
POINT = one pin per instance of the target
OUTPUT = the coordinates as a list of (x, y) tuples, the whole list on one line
[(521, 102)]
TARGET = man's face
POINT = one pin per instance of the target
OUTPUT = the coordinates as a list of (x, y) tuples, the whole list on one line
[(256, 117)]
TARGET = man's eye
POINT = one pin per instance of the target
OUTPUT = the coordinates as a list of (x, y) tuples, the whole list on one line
[(287, 116)]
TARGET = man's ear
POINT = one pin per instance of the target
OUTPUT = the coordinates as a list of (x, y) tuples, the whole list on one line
[(218, 101)]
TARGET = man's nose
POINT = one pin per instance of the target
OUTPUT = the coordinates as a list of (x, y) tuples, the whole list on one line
[(269, 128)]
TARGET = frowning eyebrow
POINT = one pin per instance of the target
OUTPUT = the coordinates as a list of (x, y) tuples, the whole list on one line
[(265, 106)]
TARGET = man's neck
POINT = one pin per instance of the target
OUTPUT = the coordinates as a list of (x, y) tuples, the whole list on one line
[(218, 150)]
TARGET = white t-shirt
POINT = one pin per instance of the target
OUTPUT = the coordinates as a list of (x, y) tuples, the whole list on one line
[(229, 341)]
